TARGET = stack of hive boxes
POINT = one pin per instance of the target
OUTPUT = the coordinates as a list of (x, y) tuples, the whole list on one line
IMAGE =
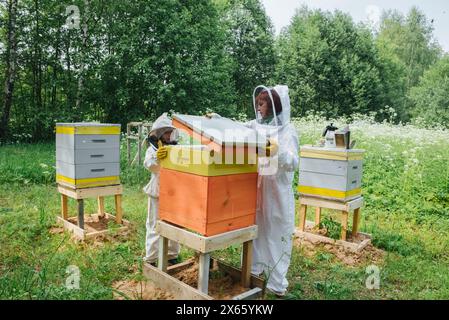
[(87, 154), (331, 173), (210, 189)]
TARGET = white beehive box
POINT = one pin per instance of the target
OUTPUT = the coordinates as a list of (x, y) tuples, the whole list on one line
[(87, 154), (331, 173)]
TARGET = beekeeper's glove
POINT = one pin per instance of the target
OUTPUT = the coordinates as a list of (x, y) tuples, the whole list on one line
[(162, 151), (272, 148)]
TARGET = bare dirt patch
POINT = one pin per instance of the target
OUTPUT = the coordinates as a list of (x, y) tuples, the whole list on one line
[(369, 254), (95, 222), (221, 286), (56, 230), (139, 290)]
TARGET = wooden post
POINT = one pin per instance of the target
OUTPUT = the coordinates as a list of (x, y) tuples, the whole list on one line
[(246, 263), (317, 216), (344, 224), (80, 213), (64, 207), (139, 146), (163, 254), (118, 208), (101, 206), (356, 222), (128, 142), (203, 273), (302, 217), (142, 145)]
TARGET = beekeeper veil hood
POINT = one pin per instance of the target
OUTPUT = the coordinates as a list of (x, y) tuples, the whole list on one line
[(281, 116), (162, 125)]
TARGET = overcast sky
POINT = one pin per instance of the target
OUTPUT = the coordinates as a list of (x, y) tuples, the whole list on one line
[(281, 11)]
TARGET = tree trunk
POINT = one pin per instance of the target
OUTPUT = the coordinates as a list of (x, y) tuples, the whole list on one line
[(38, 59), (10, 70), (56, 63), (68, 77), (84, 30)]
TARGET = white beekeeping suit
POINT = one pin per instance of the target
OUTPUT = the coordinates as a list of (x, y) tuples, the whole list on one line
[(160, 126), (275, 213)]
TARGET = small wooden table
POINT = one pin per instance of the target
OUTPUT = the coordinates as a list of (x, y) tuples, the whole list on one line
[(79, 195), (345, 208), (204, 246)]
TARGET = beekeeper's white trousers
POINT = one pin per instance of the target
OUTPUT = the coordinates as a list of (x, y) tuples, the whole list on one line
[(152, 238)]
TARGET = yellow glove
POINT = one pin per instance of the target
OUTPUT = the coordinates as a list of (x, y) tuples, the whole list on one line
[(162, 151), (272, 148)]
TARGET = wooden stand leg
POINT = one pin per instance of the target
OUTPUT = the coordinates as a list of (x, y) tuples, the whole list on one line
[(163, 254), (344, 224), (81, 213), (101, 206), (64, 207), (302, 217), (139, 145), (317, 216), (203, 273), (246, 263), (356, 222), (118, 208)]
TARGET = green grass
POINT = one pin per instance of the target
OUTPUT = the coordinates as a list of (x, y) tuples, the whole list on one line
[(406, 188)]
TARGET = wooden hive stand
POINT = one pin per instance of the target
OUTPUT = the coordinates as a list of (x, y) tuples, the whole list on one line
[(139, 137), (162, 276), (77, 225), (345, 208)]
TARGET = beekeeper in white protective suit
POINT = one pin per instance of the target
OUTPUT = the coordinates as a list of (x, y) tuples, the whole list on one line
[(275, 213), (162, 134)]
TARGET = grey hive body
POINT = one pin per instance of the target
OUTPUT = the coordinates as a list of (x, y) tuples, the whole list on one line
[(87, 151), (331, 173)]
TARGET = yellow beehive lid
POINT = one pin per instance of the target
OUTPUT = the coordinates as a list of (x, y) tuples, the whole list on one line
[(331, 153), (85, 128), (201, 160)]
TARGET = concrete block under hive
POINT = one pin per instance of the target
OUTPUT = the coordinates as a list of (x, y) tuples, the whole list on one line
[(210, 189)]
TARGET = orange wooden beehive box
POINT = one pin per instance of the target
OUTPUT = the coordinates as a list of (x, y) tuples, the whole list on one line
[(201, 191)]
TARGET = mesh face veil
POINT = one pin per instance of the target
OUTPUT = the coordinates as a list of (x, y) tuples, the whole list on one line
[(282, 118), (259, 118)]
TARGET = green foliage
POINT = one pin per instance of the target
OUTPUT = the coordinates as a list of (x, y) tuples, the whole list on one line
[(27, 164), (408, 48), (330, 64), (250, 44), (333, 228), (331, 289), (393, 242), (137, 60), (140, 58), (431, 95)]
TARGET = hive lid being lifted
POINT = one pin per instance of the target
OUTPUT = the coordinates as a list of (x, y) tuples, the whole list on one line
[(221, 131)]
